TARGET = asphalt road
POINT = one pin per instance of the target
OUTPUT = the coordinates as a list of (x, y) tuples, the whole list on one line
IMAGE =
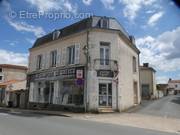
[(30, 124), (165, 107)]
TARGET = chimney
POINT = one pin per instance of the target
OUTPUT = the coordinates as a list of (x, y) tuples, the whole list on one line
[(145, 64), (170, 79), (132, 39)]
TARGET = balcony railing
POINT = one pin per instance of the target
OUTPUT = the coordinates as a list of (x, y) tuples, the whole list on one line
[(105, 64)]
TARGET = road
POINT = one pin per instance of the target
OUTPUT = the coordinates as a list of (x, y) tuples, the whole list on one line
[(30, 124), (165, 107)]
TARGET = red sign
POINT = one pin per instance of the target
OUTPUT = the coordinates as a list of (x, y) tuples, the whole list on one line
[(79, 74)]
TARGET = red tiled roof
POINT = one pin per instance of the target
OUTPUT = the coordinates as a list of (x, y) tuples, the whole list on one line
[(174, 81), (13, 66), (10, 82)]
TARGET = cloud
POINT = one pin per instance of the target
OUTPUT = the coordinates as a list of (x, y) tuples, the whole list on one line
[(154, 18), (9, 57), (49, 5), (108, 4), (162, 52), (87, 2), (133, 6), (23, 26), (162, 79)]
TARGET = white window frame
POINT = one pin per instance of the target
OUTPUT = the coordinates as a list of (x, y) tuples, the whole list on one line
[(39, 62), (71, 55), (53, 58)]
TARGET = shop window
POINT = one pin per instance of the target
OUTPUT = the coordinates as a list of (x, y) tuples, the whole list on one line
[(53, 58), (39, 62), (71, 54)]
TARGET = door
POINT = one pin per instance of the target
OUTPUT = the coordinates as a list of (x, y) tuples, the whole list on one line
[(51, 95), (145, 91), (135, 93), (104, 55), (105, 94)]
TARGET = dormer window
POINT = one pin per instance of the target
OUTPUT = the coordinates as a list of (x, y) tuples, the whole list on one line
[(104, 23), (56, 34)]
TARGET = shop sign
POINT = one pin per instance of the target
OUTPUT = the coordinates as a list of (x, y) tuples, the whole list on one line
[(79, 82), (79, 74), (105, 73), (58, 74)]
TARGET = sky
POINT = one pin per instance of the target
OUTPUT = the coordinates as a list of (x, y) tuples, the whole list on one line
[(155, 24)]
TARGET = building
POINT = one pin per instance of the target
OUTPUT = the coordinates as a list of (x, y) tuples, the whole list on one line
[(148, 82), (162, 90), (12, 83), (174, 86), (92, 65)]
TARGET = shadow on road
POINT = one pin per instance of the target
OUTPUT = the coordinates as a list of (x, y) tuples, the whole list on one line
[(30, 114), (176, 100)]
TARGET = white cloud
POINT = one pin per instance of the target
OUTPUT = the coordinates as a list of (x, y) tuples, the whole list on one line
[(9, 57), (48, 5), (133, 6), (22, 26), (162, 79), (154, 18), (162, 52), (87, 2), (108, 4)]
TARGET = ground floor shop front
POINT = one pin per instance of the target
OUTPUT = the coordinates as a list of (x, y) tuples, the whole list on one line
[(74, 89)]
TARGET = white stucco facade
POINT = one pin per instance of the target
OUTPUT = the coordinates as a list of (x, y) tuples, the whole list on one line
[(105, 56)]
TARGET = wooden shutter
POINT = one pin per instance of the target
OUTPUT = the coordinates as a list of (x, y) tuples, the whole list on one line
[(58, 57), (77, 53), (63, 57)]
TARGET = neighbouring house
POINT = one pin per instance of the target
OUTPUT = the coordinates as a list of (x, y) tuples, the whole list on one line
[(148, 82), (173, 86), (13, 90), (162, 89), (92, 65)]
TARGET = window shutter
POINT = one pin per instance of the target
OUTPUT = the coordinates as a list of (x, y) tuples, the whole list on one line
[(63, 57), (58, 57), (35, 63), (43, 61), (47, 60), (77, 53)]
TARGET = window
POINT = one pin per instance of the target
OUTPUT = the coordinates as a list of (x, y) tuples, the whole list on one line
[(134, 64), (1, 78), (39, 61), (104, 23), (53, 58), (71, 55), (104, 53), (0, 70), (56, 34)]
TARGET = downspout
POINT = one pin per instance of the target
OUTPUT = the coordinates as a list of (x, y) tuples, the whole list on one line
[(140, 90), (87, 61)]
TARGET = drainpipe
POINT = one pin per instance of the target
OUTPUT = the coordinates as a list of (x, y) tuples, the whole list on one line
[(86, 71)]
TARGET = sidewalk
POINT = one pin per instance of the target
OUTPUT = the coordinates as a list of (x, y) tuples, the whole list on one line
[(126, 119)]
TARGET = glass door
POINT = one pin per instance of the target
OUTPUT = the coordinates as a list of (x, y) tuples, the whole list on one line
[(105, 94), (104, 55)]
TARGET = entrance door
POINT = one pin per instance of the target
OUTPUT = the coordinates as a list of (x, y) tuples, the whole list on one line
[(135, 93), (105, 94), (51, 95)]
